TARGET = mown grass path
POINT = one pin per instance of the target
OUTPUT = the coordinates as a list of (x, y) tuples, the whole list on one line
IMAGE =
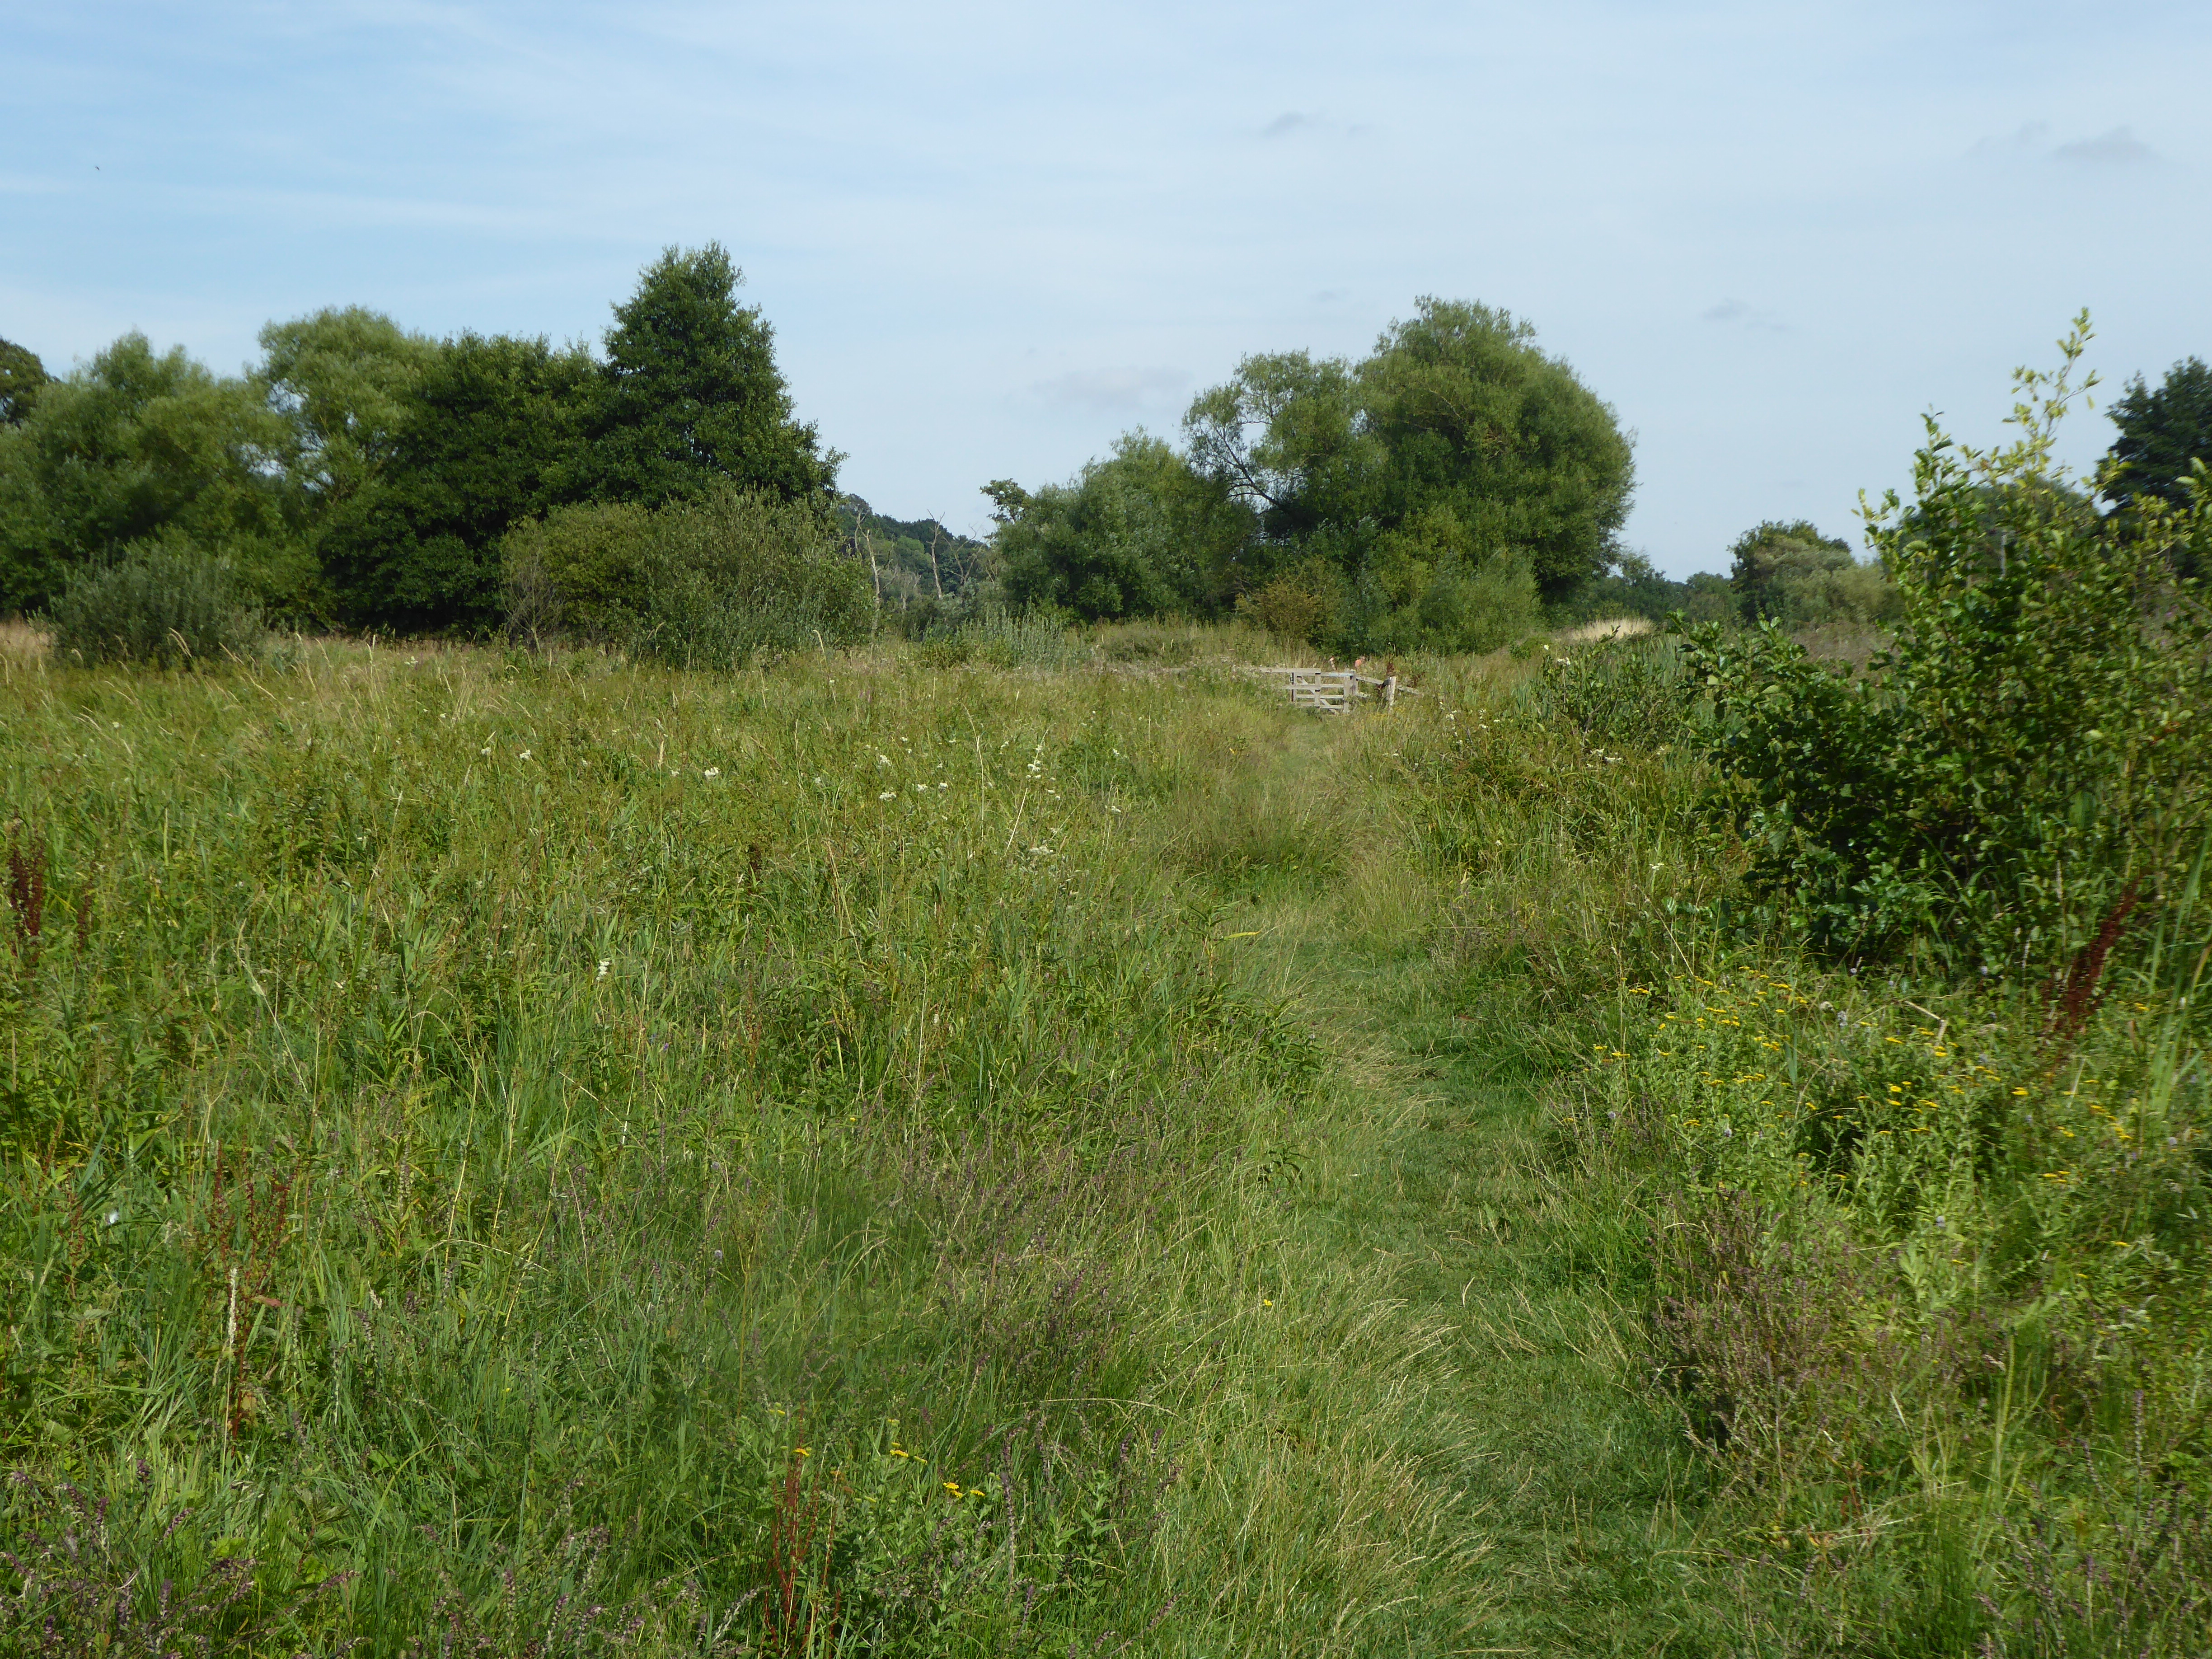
[(1572, 1489)]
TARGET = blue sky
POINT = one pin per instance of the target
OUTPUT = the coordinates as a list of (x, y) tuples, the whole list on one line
[(991, 237)]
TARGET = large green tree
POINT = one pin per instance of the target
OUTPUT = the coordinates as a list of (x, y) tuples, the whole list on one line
[(494, 429), (139, 446), (1474, 420), (691, 395), (1449, 480)]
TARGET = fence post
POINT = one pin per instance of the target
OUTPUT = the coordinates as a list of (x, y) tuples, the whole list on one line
[(1389, 690)]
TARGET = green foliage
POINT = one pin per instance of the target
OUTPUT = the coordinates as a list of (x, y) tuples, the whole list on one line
[(691, 395), (2023, 765), (2161, 432), (1426, 586), (1795, 576), (922, 571), (1453, 481), (22, 374), (1618, 693), (1130, 537), (1475, 420), (347, 382), (167, 604), (493, 431), (1632, 586), (709, 583), (137, 445)]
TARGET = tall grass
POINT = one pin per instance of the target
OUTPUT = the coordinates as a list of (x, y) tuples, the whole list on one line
[(542, 1150)]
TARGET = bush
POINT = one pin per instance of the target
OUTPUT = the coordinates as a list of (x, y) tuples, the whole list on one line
[(706, 584), (165, 604), (2025, 769)]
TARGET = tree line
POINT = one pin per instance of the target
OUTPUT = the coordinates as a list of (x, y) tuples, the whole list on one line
[(362, 476), (1454, 490)]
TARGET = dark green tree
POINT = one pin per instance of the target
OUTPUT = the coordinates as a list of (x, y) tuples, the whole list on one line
[(493, 430), (691, 393), (2161, 432), (22, 374)]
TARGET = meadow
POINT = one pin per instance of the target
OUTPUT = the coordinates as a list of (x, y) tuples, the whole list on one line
[(1009, 1148)]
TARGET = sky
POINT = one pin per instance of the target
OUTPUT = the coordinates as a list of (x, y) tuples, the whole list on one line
[(992, 237)]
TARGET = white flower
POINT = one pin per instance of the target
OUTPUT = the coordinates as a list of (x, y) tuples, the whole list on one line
[(943, 786), (486, 750), (714, 771), (888, 795), (920, 787), (882, 760), (1113, 809), (114, 1216), (525, 755), (606, 963), (1044, 851)]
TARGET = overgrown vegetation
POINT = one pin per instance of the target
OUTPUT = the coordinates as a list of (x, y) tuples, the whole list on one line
[(1014, 1140)]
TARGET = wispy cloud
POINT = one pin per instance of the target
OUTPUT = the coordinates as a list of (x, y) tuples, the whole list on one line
[(1288, 122), (2031, 141), (1112, 391), (1743, 314), (2118, 148)]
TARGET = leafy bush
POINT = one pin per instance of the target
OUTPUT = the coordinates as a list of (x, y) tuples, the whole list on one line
[(2023, 770), (1302, 603), (705, 584), (163, 603)]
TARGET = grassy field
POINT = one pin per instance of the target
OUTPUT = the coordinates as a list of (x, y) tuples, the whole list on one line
[(927, 1155)]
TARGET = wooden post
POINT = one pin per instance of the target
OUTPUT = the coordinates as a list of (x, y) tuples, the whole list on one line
[(1390, 692)]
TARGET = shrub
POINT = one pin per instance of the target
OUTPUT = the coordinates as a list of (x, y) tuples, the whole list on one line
[(2024, 764), (1303, 603), (706, 584), (163, 603)]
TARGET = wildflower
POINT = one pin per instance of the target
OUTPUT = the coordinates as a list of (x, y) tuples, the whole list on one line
[(606, 963), (114, 1216), (943, 786), (714, 771), (888, 795), (486, 750), (882, 760), (525, 755)]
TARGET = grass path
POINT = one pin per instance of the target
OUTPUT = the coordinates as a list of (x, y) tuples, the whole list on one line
[(1575, 1491)]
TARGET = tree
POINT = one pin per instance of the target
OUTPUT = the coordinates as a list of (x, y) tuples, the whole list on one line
[(1474, 419), (139, 446), (22, 374), (492, 431), (691, 393), (2161, 432), (1131, 536), (1451, 479)]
